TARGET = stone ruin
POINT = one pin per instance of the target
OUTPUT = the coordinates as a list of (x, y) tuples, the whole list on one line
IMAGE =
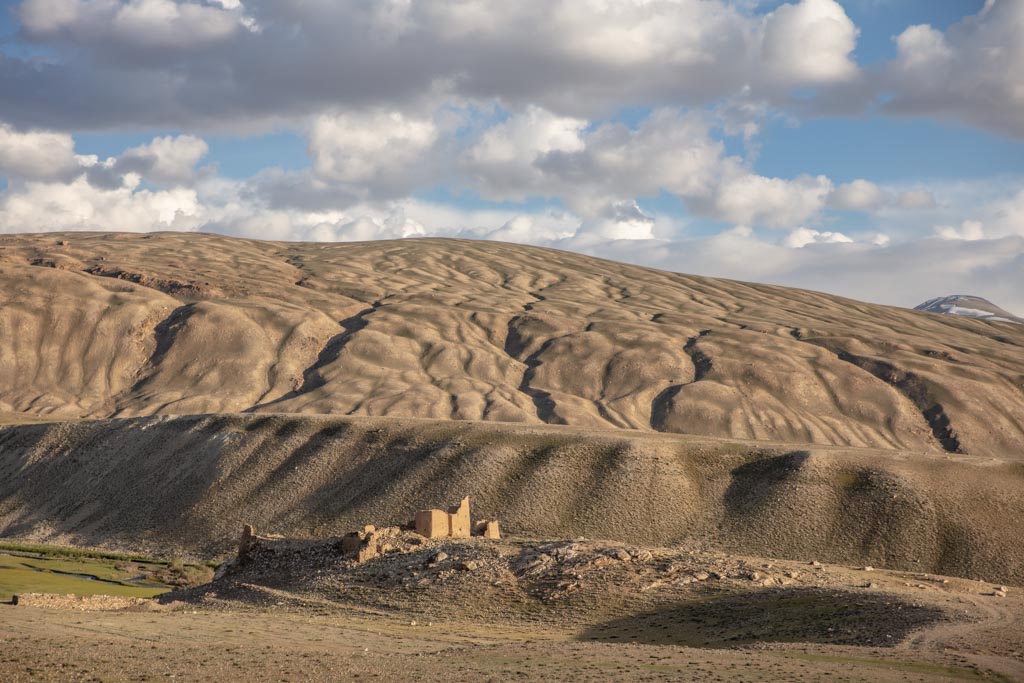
[(245, 543), (370, 542), (453, 524)]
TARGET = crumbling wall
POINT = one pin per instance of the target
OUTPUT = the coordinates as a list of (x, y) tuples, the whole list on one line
[(488, 528), (456, 523), (458, 519), (432, 523)]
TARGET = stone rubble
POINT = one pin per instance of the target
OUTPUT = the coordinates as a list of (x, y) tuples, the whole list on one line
[(419, 560), (370, 542)]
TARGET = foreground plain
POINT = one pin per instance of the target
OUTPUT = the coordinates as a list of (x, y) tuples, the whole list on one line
[(308, 614)]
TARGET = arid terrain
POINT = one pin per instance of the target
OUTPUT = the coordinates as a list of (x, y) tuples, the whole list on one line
[(191, 482), (123, 325), (708, 466), (480, 609)]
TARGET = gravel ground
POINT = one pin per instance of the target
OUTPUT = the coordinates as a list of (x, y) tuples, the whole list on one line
[(520, 609)]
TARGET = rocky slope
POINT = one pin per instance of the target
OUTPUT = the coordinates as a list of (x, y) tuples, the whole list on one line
[(105, 325), (189, 483)]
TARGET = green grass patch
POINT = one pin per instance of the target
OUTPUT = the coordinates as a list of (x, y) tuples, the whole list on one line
[(106, 570), (67, 551), (36, 568), (20, 574)]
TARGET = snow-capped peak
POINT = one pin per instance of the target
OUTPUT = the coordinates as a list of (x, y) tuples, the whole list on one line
[(970, 306)]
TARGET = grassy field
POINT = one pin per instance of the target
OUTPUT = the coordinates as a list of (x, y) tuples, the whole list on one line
[(69, 551), (75, 571)]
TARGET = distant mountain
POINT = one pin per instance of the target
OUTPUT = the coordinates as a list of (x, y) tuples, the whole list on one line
[(970, 306)]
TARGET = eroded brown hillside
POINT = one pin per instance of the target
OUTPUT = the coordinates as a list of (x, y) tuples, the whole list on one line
[(100, 325)]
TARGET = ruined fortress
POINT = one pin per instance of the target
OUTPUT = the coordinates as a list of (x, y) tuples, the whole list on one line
[(370, 542), (453, 524)]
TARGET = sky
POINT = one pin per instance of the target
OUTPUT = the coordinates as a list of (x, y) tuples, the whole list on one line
[(868, 148)]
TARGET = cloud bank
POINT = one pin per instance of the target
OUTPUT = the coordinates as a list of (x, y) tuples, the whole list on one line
[(623, 128)]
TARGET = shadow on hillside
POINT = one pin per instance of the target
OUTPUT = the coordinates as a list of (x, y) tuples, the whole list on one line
[(791, 615), (756, 483)]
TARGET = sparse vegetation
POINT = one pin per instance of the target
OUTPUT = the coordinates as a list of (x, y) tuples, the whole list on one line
[(84, 576), (36, 568), (181, 575)]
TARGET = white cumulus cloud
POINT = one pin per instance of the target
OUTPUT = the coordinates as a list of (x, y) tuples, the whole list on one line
[(537, 153), (916, 199), (968, 231), (79, 205), (168, 159), (176, 63), (973, 72), (809, 43), (859, 195), (36, 155), (380, 149), (138, 23), (801, 237), (750, 199)]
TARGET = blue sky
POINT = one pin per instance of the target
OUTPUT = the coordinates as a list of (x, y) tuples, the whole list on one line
[(802, 142)]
